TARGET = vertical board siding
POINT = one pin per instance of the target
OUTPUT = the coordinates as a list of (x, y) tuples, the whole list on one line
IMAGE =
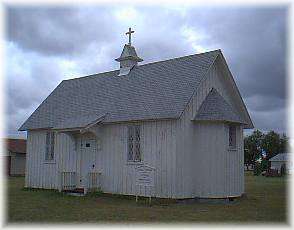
[(37, 170), (208, 176), (205, 167), (28, 160), (158, 146)]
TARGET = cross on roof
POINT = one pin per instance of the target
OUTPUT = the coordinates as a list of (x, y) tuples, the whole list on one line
[(130, 34)]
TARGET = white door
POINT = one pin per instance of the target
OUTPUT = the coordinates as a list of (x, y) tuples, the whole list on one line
[(88, 150)]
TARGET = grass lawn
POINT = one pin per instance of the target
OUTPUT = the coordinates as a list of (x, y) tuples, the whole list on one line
[(265, 203)]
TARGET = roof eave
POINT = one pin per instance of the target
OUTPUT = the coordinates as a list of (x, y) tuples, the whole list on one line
[(35, 129), (16, 152), (129, 58), (219, 120)]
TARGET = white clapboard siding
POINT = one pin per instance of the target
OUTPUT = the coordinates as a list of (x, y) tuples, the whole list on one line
[(205, 167)]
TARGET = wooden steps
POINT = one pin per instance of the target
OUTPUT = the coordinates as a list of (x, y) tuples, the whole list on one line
[(76, 190), (79, 190)]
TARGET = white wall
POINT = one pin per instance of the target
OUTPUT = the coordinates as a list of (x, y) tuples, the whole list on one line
[(158, 140), (158, 148), (205, 167), (278, 164), (39, 174)]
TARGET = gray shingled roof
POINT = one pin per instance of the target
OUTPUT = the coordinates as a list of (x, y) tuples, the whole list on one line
[(216, 108), (280, 157), (156, 90)]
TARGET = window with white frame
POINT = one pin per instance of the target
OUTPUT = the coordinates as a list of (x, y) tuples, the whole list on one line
[(134, 147), (232, 136), (49, 152)]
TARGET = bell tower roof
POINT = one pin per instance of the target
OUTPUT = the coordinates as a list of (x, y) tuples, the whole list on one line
[(129, 53)]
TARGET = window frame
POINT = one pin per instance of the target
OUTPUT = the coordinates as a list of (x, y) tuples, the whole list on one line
[(49, 147), (232, 144), (136, 144)]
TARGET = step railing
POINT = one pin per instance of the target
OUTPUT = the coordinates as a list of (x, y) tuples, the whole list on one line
[(94, 180), (68, 180)]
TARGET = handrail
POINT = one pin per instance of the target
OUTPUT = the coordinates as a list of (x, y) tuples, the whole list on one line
[(94, 180), (68, 180)]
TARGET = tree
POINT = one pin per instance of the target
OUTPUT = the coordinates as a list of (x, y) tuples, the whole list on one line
[(252, 147), (283, 144), (271, 144), (255, 144)]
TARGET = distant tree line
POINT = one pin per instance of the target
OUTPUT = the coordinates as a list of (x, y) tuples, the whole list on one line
[(258, 143)]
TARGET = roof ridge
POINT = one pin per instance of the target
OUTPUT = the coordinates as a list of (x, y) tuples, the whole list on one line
[(150, 63), (91, 75), (176, 58)]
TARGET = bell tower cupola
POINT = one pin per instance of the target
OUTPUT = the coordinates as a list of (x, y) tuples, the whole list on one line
[(128, 58)]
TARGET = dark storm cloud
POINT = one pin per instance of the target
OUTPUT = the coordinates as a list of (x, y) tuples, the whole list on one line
[(254, 44), (253, 41), (56, 31), (25, 90)]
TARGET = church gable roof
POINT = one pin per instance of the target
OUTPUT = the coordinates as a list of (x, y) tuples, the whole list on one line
[(159, 90), (216, 108)]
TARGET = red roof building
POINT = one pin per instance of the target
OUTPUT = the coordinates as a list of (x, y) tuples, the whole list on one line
[(16, 145), (15, 156)]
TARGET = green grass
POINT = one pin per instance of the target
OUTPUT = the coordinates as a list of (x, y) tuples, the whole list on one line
[(265, 203)]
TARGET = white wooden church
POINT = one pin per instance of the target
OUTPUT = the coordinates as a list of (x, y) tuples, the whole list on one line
[(181, 118)]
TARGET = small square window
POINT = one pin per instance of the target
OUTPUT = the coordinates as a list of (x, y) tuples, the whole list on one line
[(87, 144)]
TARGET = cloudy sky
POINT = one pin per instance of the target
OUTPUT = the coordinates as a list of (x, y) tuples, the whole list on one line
[(45, 45)]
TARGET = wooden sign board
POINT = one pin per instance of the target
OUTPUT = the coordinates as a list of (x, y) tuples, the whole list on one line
[(145, 175)]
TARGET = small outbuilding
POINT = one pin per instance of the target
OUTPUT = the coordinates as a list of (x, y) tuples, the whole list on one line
[(281, 160), (15, 157)]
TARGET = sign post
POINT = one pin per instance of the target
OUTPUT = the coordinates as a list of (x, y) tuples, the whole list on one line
[(145, 176)]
